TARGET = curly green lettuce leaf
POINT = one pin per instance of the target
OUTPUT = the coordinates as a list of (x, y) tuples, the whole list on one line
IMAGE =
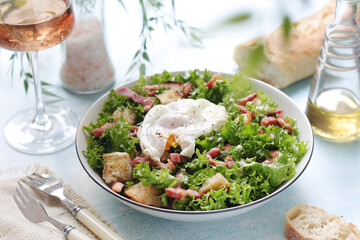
[(198, 163), (160, 178), (116, 101), (267, 104), (113, 139)]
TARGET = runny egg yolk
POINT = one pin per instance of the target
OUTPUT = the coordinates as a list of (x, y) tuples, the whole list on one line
[(170, 142)]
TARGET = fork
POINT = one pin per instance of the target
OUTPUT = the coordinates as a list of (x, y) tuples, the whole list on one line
[(35, 212), (52, 186)]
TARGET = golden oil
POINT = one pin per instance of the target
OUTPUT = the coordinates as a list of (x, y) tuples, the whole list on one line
[(335, 115)]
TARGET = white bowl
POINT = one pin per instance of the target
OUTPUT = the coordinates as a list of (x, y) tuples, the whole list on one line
[(284, 102)]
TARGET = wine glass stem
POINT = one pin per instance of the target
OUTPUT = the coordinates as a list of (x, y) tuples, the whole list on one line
[(41, 120)]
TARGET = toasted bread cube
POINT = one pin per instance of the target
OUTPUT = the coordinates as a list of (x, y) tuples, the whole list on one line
[(117, 167), (168, 96), (148, 194), (178, 87), (128, 114), (214, 183), (117, 187)]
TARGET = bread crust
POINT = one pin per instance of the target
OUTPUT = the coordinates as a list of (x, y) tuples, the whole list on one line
[(287, 61), (148, 194)]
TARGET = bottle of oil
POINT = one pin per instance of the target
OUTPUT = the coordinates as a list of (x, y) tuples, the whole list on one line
[(334, 100)]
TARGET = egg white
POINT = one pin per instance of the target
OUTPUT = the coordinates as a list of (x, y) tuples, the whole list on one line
[(186, 120)]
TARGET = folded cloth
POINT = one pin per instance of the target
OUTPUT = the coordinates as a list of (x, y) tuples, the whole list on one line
[(14, 226)]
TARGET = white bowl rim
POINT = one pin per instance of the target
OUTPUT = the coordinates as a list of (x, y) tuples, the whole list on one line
[(282, 187)]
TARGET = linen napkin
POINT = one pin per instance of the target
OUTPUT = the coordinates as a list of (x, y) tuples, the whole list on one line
[(14, 226)]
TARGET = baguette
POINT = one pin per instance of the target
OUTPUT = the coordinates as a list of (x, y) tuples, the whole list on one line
[(304, 222), (294, 59)]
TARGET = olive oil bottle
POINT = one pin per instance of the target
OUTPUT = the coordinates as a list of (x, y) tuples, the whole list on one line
[(333, 106)]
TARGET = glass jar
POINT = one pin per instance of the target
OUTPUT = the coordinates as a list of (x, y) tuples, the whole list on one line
[(87, 67), (334, 99)]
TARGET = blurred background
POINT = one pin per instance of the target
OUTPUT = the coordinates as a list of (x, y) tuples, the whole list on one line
[(221, 26)]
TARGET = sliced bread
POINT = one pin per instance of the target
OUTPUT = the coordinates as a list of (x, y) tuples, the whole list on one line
[(304, 222), (288, 61)]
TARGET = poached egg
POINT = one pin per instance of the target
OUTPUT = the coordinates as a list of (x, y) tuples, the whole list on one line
[(179, 123)]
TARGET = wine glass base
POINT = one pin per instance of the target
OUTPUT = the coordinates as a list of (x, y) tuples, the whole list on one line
[(22, 136)]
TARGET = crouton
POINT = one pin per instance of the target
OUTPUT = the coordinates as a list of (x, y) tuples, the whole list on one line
[(128, 114), (178, 87), (148, 194), (214, 183), (117, 187), (117, 167), (168, 96)]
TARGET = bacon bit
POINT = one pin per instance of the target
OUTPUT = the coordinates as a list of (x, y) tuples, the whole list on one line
[(211, 83), (179, 193), (217, 163), (229, 162), (139, 160), (147, 103), (214, 162), (270, 160), (249, 115), (247, 118), (169, 165), (151, 94), (165, 156), (99, 131), (283, 122), (187, 89), (248, 98), (179, 175), (151, 87), (268, 121), (243, 109), (133, 131), (261, 131), (175, 158), (276, 111), (117, 187), (214, 152), (227, 147)]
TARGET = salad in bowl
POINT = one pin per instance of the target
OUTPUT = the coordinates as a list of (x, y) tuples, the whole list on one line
[(195, 141)]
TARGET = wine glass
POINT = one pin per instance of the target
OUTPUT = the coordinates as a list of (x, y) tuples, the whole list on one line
[(30, 26)]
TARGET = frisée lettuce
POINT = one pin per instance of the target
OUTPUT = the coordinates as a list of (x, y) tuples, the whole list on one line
[(256, 150)]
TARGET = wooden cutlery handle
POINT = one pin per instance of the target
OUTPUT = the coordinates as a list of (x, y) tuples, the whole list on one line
[(75, 234), (96, 226)]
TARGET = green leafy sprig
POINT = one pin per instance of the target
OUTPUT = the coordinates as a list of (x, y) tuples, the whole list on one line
[(26, 76), (150, 22)]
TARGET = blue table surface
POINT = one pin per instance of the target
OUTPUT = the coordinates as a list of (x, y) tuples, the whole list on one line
[(331, 180)]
